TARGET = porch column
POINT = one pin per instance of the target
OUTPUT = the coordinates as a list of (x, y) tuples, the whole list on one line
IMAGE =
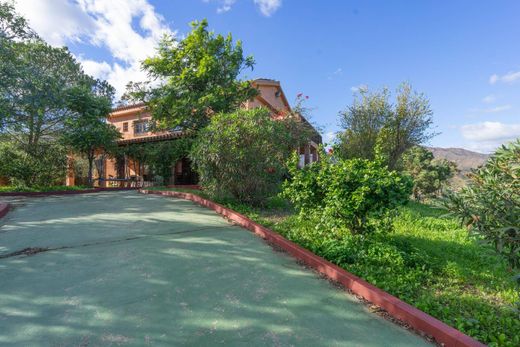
[(70, 177), (307, 154)]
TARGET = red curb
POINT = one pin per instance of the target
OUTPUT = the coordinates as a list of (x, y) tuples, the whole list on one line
[(63, 192), (416, 318), (4, 208)]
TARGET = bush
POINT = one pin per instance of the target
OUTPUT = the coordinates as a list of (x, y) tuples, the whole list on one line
[(44, 165), (490, 205), (429, 175), (242, 155), (358, 194)]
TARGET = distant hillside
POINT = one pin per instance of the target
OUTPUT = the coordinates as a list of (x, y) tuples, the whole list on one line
[(465, 160)]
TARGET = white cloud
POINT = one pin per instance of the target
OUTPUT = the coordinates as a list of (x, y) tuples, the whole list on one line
[(498, 109), (495, 109), (489, 99), (225, 6), (107, 24), (356, 89), (268, 7), (337, 72), (57, 21), (487, 136), (94, 68), (509, 77)]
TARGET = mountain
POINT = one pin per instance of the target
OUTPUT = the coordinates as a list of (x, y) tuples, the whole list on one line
[(465, 160)]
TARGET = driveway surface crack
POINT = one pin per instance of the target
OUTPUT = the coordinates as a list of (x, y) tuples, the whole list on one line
[(29, 251)]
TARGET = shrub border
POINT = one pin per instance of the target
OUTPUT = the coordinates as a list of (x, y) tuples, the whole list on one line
[(65, 192), (416, 318)]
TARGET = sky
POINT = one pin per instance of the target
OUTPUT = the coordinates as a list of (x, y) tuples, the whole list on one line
[(463, 55)]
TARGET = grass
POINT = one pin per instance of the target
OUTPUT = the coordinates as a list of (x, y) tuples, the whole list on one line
[(13, 189), (428, 261)]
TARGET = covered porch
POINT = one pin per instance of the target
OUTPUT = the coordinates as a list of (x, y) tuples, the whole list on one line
[(132, 169)]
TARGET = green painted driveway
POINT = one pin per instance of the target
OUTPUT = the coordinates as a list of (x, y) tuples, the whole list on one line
[(131, 269)]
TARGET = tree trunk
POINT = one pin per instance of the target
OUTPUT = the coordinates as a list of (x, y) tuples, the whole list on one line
[(90, 165)]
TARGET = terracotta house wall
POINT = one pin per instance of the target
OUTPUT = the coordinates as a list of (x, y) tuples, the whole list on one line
[(270, 95), (118, 119)]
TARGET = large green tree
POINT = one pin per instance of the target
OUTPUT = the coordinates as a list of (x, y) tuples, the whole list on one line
[(34, 80), (197, 76), (373, 121), (87, 131), (44, 96), (12, 25)]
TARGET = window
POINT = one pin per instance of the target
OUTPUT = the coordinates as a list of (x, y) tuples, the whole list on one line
[(125, 127), (301, 162), (141, 127)]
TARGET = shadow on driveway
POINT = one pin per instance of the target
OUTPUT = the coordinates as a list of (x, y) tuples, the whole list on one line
[(140, 270)]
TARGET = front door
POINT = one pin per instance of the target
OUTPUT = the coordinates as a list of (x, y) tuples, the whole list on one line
[(184, 174)]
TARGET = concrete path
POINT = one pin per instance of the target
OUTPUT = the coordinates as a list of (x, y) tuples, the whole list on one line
[(131, 269)]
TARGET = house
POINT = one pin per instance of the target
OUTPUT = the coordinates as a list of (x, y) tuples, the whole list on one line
[(132, 121)]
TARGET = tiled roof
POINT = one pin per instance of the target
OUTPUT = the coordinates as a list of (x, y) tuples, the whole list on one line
[(127, 107), (268, 80), (153, 138)]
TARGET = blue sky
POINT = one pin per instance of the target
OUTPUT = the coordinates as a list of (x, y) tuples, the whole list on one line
[(464, 55)]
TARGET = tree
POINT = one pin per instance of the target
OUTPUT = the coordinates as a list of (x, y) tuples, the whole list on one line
[(372, 120), (490, 204), (45, 167), (13, 28), (12, 25), (429, 175), (242, 155), (87, 132), (37, 92), (197, 76), (34, 80), (362, 123)]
